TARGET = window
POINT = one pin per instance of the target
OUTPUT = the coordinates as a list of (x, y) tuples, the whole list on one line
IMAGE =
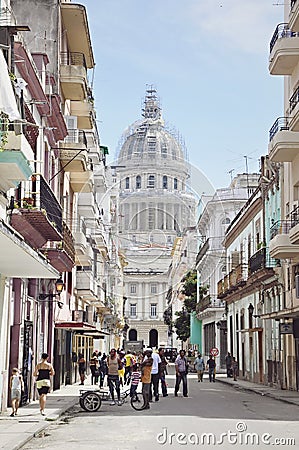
[(127, 183), (226, 221), (175, 183), (133, 310), (151, 181), (153, 288), (133, 289), (153, 310), (164, 182), (138, 182)]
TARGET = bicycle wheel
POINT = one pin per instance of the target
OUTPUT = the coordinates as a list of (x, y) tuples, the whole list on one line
[(90, 401), (137, 401)]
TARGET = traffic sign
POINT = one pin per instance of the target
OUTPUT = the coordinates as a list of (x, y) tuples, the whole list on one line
[(214, 351)]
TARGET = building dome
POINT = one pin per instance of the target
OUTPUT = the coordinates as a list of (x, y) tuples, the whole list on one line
[(147, 140)]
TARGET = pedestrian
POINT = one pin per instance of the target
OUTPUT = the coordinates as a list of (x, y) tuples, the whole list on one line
[(235, 368), (82, 367), (43, 371), (128, 365), (211, 366), (199, 366), (181, 369), (135, 378), (121, 370), (163, 371), (94, 369), (228, 363), (103, 369), (155, 376), (16, 388), (146, 371), (114, 364)]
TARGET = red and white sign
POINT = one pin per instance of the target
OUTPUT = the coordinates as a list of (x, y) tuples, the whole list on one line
[(214, 351)]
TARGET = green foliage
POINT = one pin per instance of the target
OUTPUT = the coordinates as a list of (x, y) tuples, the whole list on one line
[(182, 325)]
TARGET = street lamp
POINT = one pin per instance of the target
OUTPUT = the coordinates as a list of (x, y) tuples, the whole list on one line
[(59, 286)]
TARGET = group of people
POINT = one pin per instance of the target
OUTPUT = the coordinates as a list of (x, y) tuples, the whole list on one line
[(232, 367)]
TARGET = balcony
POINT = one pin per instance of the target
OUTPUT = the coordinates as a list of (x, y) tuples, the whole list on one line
[(14, 160), (260, 265), (294, 15), (233, 281), (73, 76), (83, 110), (86, 285), (280, 246), (284, 50), (62, 254), (294, 111), (38, 216), (283, 143), (208, 303), (83, 250), (294, 231), (87, 205), (74, 156)]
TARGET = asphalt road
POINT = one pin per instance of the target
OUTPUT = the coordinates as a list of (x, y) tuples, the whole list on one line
[(234, 418)]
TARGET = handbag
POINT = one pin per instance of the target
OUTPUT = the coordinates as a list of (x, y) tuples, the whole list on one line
[(43, 383)]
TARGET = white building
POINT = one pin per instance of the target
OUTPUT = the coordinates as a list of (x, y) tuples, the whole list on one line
[(154, 208)]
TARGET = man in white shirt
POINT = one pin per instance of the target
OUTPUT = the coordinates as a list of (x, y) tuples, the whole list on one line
[(155, 375)]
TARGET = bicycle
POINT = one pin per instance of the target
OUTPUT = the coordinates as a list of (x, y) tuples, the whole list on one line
[(91, 401)]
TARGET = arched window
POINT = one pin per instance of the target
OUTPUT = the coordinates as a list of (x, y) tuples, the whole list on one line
[(138, 182), (151, 181), (127, 183), (133, 335), (226, 221), (175, 183), (164, 182), (153, 338)]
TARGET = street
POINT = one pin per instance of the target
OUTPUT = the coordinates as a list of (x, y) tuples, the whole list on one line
[(214, 415)]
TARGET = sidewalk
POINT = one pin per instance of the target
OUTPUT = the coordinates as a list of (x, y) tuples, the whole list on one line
[(279, 394), (16, 431)]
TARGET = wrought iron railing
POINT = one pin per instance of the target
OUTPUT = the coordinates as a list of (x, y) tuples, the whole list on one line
[(295, 217), (38, 195), (281, 31), (294, 99), (261, 260), (280, 227), (68, 241), (280, 124), (72, 59)]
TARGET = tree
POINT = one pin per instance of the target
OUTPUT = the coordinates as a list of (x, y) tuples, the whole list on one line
[(182, 325)]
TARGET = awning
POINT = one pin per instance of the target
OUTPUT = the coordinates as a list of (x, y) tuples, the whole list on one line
[(8, 103), (82, 328), (18, 259)]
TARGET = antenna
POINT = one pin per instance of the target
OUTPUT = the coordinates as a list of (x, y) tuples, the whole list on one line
[(231, 174)]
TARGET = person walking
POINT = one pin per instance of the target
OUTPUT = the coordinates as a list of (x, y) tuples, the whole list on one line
[(114, 364), (199, 366), (94, 369), (155, 376), (103, 369), (43, 371), (235, 368), (228, 363), (121, 369), (82, 367), (128, 366), (211, 366), (181, 369), (16, 388), (163, 371), (146, 371)]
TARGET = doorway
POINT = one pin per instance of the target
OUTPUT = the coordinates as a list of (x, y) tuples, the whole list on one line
[(153, 338)]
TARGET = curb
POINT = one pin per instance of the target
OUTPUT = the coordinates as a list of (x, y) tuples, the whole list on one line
[(48, 422), (256, 391)]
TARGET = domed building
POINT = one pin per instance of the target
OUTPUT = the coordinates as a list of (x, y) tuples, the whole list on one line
[(155, 207)]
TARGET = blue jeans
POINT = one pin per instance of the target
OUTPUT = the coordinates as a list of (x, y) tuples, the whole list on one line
[(114, 382), (181, 377)]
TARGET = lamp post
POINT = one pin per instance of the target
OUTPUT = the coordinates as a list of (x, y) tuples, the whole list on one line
[(59, 286)]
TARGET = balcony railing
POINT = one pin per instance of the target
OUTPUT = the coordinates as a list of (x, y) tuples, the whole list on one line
[(75, 136), (282, 31), (295, 217), (280, 227), (294, 99), (73, 59), (260, 260), (280, 124)]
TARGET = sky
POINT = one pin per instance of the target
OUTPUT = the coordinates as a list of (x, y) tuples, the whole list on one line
[(208, 60)]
